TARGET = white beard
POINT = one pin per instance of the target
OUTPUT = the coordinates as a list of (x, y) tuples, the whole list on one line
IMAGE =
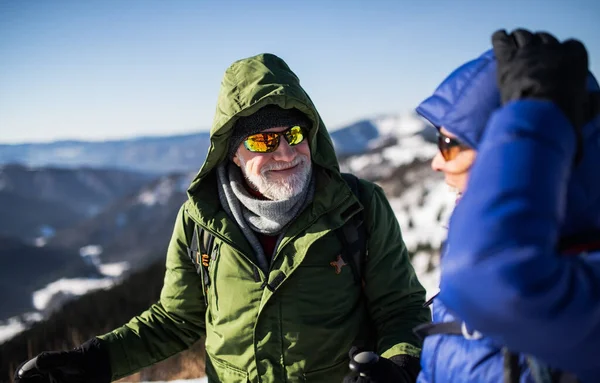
[(278, 189)]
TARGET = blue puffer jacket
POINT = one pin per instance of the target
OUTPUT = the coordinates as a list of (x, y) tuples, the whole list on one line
[(500, 273)]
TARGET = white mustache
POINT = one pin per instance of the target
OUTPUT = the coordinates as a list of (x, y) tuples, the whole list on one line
[(299, 160)]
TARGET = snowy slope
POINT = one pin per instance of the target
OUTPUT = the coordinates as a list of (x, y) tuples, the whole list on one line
[(418, 195)]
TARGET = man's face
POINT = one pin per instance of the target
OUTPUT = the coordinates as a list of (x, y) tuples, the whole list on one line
[(278, 175)]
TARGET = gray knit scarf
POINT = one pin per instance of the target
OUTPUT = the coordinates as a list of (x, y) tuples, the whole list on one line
[(257, 215)]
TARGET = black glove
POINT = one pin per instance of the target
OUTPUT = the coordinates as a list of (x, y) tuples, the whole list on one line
[(86, 363), (368, 367), (538, 66)]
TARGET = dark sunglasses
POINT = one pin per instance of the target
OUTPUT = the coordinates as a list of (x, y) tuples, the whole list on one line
[(269, 141), (448, 146)]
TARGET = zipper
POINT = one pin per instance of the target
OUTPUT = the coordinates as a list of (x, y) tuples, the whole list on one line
[(214, 255)]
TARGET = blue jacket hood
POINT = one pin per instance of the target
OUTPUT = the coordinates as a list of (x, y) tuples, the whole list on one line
[(465, 100)]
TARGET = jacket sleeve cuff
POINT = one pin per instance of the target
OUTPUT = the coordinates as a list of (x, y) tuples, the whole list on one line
[(402, 349), (116, 355)]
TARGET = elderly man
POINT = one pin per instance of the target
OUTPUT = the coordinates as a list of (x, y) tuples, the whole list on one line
[(267, 259)]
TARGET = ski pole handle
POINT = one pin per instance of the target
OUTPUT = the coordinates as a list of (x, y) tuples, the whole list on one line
[(362, 362)]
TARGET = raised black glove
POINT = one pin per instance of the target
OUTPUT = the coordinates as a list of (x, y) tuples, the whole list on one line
[(538, 66), (86, 363), (368, 367)]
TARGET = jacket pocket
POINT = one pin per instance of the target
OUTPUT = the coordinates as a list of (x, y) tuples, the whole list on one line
[(219, 370), (333, 373), (320, 294)]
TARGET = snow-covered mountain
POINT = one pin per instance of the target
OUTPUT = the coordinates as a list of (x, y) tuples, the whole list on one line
[(134, 229), (371, 134), (185, 153), (400, 162)]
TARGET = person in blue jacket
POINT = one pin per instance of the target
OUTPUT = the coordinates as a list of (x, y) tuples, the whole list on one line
[(520, 141)]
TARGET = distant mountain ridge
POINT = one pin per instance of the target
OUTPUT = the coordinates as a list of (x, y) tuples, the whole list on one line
[(186, 153), (134, 228), (147, 154), (38, 201)]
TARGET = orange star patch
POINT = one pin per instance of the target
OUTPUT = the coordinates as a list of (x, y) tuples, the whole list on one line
[(338, 264)]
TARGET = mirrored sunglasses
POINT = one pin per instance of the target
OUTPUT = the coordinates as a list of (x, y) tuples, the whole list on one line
[(268, 142), (448, 146)]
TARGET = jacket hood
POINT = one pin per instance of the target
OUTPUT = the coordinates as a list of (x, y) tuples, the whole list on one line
[(248, 85), (465, 100)]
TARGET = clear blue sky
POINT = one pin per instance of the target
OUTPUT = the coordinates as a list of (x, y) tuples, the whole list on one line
[(107, 69)]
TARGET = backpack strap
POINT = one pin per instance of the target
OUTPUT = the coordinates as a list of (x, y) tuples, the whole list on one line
[(199, 253), (426, 329), (194, 250), (511, 367), (353, 235)]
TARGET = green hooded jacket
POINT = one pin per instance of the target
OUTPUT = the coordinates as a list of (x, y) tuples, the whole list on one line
[(300, 327)]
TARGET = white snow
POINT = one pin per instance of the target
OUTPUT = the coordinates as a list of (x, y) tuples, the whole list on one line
[(57, 293), (40, 241), (46, 232), (423, 212), (91, 254), (90, 251), (113, 269), (160, 194), (10, 328), (399, 125), (428, 272), (359, 163), (67, 288), (15, 325), (411, 148), (382, 163)]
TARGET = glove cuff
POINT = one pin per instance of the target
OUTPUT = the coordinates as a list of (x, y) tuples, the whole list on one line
[(96, 361)]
